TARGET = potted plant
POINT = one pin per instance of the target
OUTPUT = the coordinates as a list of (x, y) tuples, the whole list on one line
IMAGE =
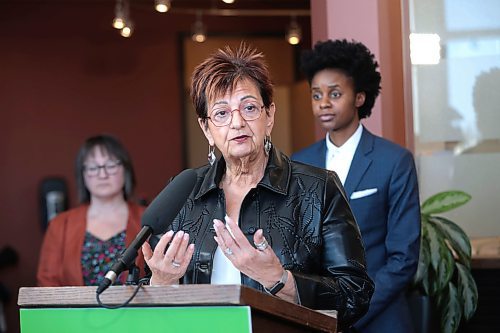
[(444, 265)]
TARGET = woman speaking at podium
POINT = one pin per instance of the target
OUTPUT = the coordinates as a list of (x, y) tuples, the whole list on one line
[(254, 217)]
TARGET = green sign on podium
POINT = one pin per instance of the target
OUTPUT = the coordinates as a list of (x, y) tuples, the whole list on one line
[(217, 319)]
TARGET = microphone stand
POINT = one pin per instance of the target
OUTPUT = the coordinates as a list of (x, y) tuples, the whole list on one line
[(133, 276), (132, 279)]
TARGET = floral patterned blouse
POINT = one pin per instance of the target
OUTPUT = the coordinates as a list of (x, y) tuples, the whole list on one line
[(99, 255)]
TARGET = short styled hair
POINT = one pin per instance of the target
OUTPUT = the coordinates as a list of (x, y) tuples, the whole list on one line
[(352, 58), (223, 70), (112, 147)]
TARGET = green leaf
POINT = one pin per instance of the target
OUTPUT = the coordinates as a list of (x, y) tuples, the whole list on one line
[(442, 260), (423, 263), (426, 282), (467, 289), (444, 201), (435, 241), (446, 266), (451, 310), (424, 256), (456, 237)]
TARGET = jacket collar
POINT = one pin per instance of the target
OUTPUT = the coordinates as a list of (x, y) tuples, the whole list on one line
[(276, 176), (367, 141), (360, 162)]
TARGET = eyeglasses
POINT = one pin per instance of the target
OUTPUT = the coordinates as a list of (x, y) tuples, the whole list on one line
[(222, 116), (110, 168)]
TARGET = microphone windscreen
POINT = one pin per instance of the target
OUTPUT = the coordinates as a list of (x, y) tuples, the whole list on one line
[(165, 207)]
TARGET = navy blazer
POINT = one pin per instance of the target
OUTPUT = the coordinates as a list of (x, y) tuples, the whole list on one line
[(382, 189)]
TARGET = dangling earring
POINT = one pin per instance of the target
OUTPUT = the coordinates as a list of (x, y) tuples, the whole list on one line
[(267, 144), (211, 155)]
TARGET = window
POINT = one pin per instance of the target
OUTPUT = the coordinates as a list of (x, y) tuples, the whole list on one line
[(457, 105)]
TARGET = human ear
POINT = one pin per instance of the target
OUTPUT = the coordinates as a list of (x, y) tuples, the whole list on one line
[(360, 99), (270, 118), (204, 127)]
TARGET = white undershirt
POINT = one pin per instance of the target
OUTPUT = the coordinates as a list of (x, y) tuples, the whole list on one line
[(339, 159), (223, 271)]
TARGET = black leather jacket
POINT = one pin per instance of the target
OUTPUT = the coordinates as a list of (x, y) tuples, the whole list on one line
[(306, 219)]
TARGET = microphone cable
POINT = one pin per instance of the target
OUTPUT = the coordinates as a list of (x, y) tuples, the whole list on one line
[(139, 285), (132, 279)]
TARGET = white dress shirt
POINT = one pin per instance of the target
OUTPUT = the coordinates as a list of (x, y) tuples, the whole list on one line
[(223, 271), (339, 159)]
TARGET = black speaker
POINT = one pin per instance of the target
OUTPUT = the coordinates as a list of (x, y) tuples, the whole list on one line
[(53, 199)]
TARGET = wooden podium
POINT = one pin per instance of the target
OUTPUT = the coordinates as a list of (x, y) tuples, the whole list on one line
[(183, 308)]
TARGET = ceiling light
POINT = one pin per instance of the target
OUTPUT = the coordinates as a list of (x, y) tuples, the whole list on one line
[(199, 33), (120, 14), (118, 23), (228, 1), (294, 33), (128, 29), (162, 6)]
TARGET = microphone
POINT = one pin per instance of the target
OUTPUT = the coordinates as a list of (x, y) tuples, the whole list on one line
[(156, 219)]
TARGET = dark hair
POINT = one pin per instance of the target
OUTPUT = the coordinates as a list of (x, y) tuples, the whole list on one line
[(220, 73), (354, 59), (114, 148)]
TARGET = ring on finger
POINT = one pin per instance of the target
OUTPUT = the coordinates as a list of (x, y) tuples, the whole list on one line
[(228, 251), (175, 263), (262, 245)]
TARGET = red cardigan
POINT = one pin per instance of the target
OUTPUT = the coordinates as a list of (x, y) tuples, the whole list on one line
[(61, 252)]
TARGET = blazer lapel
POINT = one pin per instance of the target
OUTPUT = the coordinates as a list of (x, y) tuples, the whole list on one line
[(360, 162)]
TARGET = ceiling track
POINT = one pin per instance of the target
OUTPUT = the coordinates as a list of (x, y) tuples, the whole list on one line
[(242, 12)]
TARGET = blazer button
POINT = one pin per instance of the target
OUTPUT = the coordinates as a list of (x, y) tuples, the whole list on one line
[(251, 230)]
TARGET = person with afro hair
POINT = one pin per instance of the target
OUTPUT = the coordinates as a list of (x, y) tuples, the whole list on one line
[(379, 177)]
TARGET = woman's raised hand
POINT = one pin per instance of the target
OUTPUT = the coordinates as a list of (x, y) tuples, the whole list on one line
[(259, 262), (170, 265)]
